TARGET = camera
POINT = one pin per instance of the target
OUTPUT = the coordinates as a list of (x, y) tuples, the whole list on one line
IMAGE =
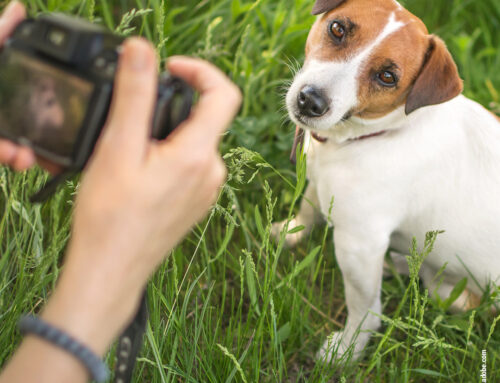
[(56, 82)]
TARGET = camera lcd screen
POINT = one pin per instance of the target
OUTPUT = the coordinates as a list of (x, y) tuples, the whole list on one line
[(41, 104)]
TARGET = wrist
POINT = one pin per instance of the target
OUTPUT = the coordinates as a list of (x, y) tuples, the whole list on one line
[(91, 306)]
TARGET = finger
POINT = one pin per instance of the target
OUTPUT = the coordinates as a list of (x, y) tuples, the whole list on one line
[(12, 15), (8, 152), (220, 173), (129, 122), (219, 100), (215, 182), (24, 159)]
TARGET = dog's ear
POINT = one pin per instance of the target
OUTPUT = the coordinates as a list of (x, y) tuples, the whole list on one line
[(323, 6), (438, 80)]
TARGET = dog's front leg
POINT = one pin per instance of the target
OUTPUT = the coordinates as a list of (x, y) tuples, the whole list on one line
[(308, 215), (360, 255)]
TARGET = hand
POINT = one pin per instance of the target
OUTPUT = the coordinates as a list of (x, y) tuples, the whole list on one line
[(20, 158), (139, 197)]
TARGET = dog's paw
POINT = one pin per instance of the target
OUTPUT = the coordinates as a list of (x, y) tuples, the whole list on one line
[(342, 348), (291, 240)]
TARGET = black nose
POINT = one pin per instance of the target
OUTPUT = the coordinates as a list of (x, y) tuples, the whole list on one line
[(311, 102)]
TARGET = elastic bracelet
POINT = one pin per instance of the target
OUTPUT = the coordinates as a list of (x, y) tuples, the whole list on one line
[(29, 324)]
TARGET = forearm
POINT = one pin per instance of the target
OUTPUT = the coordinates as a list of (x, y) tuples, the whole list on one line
[(93, 306), (38, 361)]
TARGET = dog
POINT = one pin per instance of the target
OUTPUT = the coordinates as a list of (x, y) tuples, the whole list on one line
[(390, 136)]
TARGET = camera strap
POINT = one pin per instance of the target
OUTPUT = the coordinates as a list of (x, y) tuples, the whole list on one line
[(50, 187), (130, 343)]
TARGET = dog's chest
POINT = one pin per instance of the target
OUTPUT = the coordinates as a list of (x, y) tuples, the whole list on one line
[(430, 176), (358, 177)]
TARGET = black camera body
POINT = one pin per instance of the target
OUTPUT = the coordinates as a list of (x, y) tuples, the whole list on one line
[(56, 82)]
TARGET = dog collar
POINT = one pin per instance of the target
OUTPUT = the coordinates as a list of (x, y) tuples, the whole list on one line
[(321, 139), (299, 140), (318, 138), (370, 135)]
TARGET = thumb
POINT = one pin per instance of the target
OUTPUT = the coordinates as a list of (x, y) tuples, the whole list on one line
[(13, 14), (129, 122)]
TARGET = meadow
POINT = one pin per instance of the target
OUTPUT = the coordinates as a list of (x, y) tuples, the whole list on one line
[(230, 304)]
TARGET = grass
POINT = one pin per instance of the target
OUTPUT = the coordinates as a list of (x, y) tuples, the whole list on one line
[(229, 304)]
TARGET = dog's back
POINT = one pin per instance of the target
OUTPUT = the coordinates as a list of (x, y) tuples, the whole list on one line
[(441, 171), (454, 186)]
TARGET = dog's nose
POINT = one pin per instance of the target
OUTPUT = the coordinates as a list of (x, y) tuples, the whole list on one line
[(311, 102)]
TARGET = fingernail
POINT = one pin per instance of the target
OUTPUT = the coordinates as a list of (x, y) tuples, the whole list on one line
[(137, 54), (9, 8)]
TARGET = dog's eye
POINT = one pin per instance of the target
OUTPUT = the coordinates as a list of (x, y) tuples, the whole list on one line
[(337, 30), (387, 78)]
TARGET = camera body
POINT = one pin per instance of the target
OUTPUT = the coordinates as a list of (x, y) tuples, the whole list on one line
[(56, 82)]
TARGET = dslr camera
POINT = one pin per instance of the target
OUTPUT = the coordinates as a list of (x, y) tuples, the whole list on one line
[(56, 82)]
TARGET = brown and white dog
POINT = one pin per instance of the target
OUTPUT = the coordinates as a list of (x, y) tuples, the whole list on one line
[(391, 138)]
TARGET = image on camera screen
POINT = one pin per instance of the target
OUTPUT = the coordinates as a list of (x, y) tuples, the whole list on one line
[(41, 104)]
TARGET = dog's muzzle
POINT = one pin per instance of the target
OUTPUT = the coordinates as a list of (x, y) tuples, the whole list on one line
[(311, 102)]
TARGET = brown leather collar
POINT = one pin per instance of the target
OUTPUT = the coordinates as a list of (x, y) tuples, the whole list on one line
[(324, 139), (318, 138), (299, 140), (370, 135)]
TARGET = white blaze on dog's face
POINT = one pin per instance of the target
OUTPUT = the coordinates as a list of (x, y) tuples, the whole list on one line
[(365, 60)]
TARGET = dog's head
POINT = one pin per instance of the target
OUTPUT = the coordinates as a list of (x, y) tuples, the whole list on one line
[(367, 59)]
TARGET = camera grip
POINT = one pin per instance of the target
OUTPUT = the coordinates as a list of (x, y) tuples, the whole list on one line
[(175, 99)]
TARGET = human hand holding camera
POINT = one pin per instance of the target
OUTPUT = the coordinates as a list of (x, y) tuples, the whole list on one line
[(19, 158), (137, 199)]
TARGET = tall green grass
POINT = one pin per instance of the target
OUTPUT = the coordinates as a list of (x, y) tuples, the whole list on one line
[(230, 304)]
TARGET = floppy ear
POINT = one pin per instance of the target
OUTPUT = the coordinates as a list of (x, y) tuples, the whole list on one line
[(438, 80), (323, 6)]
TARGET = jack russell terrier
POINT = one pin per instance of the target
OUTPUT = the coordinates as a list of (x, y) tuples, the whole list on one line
[(392, 139)]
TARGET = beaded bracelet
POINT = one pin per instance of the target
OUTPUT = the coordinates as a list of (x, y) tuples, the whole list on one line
[(29, 324)]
